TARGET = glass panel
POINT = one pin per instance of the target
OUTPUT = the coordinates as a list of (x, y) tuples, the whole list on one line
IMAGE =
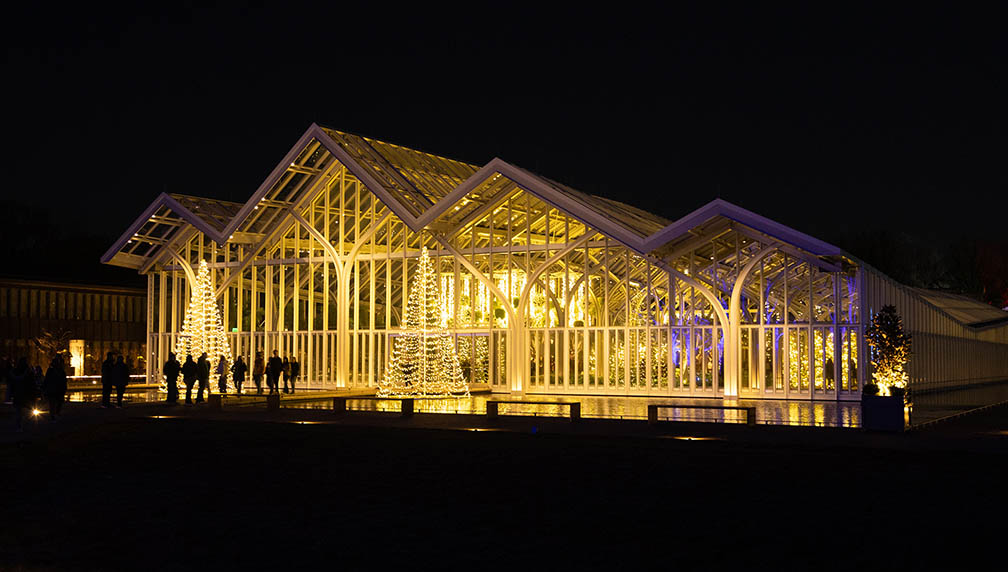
[(616, 352), (853, 359), (844, 358), (744, 345), (803, 352), (709, 356), (677, 354), (659, 359), (820, 368), (830, 365), (686, 358), (698, 362), (794, 372)]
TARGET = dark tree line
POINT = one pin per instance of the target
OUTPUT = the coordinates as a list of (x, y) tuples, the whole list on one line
[(977, 268), (49, 244)]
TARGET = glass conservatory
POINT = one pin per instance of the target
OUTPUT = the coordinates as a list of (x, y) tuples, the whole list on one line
[(545, 289)]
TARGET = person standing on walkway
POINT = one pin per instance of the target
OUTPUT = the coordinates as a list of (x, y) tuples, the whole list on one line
[(286, 374), (189, 372), (203, 377), (171, 371), (23, 389), (6, 365), (106, 380), (258, 369), (238, 370), (295, 372), (120, 375), (273, 370), (222, 371), (55, 386)]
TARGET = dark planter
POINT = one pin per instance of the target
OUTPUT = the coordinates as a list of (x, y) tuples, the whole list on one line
[(882, 413)]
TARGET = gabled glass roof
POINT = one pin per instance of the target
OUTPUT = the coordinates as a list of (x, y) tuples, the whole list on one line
[(215, 213), (432, 192)]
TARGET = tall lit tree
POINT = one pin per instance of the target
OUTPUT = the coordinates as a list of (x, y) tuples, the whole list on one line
[(424, 360), (890, 350), (202, 328)]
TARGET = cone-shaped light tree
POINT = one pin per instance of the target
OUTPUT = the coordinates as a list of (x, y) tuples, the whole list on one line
[(202, 328), (424, 360)]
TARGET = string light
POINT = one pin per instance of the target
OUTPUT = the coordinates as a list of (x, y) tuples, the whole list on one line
[(202, 328), (424, 360)]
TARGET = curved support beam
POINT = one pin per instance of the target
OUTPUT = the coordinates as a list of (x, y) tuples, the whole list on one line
[(368, 234), (516, 346), (732, 355), (718, 309), (318, 236), (534, 275), (478, 274), (186, 266)]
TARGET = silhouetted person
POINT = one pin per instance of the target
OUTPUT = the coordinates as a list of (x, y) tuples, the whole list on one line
[(6, 365), (55, 387), (286, 374), (120, 375), (202, 376), (189, 373), (258, 369), (39, 378), (295, 372), (106, 380), (171, 371), (222, 371), (238, 370), (273, 371), (23, 388)]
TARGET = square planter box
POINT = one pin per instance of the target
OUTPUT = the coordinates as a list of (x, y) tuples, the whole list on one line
[(882, 413)]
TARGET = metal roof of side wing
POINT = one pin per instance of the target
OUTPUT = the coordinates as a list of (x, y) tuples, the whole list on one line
[(722, 208)]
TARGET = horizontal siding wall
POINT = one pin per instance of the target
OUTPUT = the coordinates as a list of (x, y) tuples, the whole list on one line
[(946, 353)]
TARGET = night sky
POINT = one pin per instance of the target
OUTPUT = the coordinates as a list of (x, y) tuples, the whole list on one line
[(830, 122)]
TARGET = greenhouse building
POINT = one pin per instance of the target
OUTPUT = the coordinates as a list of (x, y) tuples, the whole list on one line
[(544, 289)]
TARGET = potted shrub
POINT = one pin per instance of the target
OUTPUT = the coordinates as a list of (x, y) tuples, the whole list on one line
[(885, 398)]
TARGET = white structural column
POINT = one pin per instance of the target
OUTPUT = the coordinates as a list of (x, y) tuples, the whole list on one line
[(153, 339), (343, 267), (518, 330), (512, 370), (731, 345)]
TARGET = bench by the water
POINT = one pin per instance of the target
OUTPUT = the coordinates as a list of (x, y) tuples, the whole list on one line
[(652, 411), (406, 404), (575, 406)]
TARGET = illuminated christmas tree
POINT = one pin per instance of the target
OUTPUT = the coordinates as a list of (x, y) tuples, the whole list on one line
[(202, 328), (890, 350), (424, 360)]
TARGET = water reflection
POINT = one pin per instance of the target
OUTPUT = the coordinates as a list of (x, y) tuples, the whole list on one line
[(932, 406), (770, 412), (145, 396)]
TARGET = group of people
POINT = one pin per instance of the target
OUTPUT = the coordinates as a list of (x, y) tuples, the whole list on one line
[(275, 369), (25, 384), (197, 374)]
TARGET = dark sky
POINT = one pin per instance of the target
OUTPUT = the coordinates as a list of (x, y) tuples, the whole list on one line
[(823, 120)]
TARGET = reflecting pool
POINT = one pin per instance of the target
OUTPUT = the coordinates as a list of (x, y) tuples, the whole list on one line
[(770, 412)]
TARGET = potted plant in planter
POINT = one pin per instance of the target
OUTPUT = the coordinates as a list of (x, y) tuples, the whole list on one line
[(884, 400)]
